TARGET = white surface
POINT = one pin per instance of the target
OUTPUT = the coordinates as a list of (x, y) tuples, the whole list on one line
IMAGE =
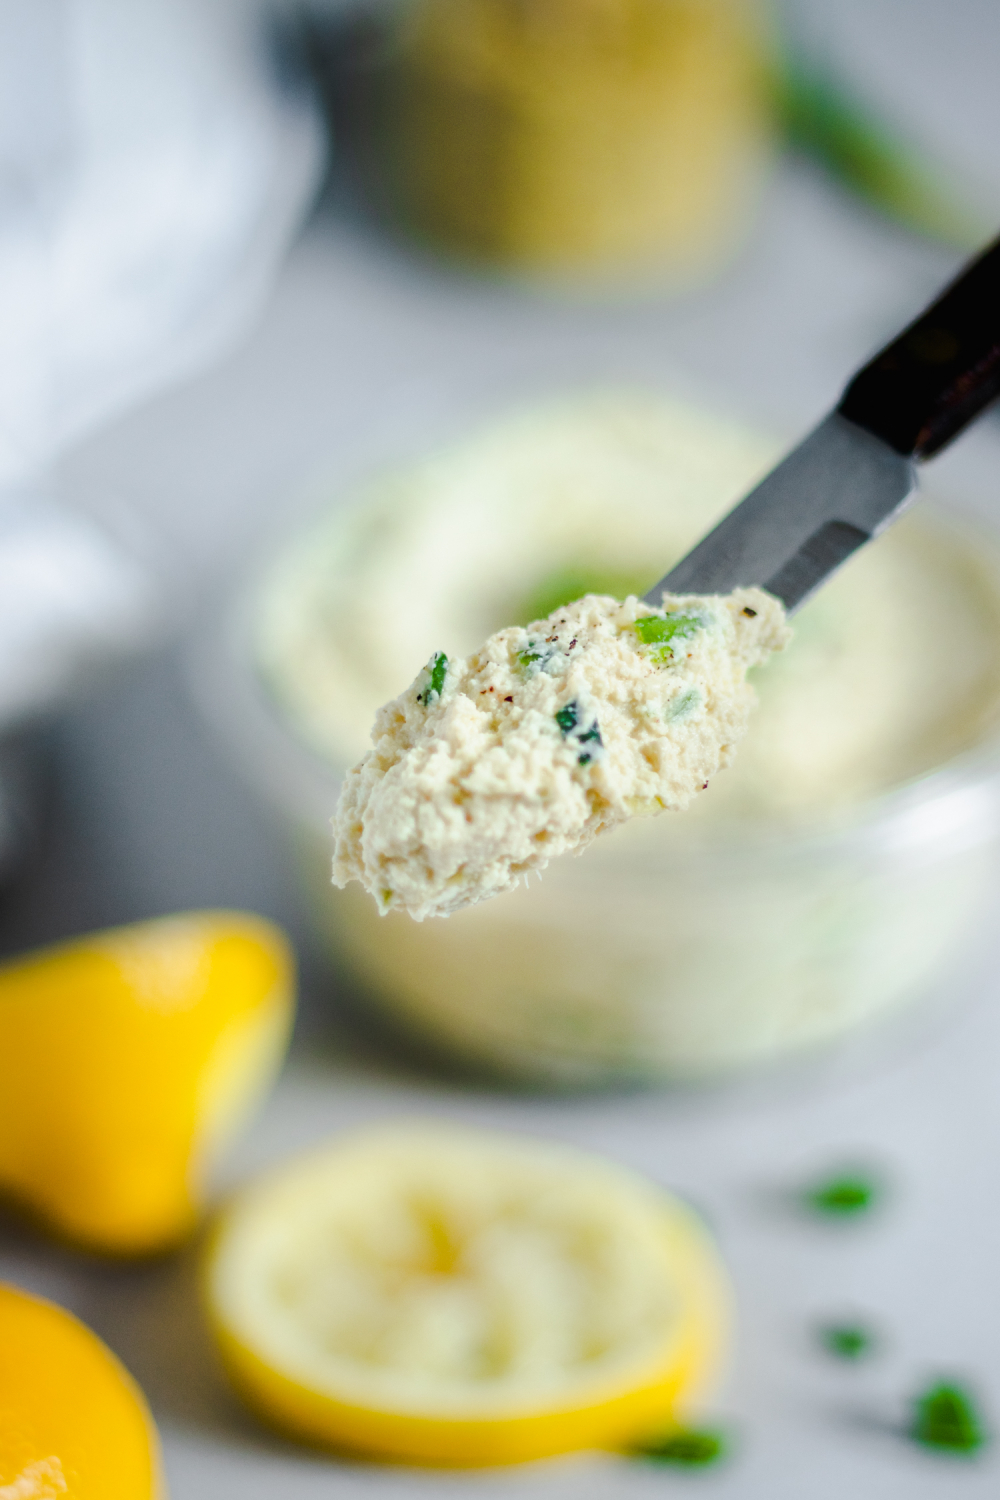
[(923, 1271), (152, 174), (335, 377)]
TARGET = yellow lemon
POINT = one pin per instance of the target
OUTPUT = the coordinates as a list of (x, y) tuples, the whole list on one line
[(127, 1059), (433, 1294), (73, 1423)]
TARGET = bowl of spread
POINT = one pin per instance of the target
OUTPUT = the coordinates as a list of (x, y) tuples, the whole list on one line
[(820, 881)]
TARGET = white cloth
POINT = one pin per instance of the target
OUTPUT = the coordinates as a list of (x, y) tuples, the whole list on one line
[(153, 166)]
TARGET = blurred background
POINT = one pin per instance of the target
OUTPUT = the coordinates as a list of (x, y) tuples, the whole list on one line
[(252, 255)]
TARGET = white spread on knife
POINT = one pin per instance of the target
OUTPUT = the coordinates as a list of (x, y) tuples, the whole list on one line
[(488, 767)]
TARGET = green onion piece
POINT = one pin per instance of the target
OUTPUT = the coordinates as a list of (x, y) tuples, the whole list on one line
[(861, 149), (566, 718), (842, 1196), (658, 631), (686, 1447), (527, 656), (591, 736), (437, 667), (438, 670), (683, 706), (653, 629), (945, 1417), (846, 1340)]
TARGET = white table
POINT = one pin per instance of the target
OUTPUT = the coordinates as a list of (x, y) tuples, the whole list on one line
[(359, 339)]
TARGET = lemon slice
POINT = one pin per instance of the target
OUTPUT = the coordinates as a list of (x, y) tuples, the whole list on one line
[(439, 1295)]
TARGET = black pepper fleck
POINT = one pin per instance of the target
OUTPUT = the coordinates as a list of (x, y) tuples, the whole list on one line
[(748, 611)]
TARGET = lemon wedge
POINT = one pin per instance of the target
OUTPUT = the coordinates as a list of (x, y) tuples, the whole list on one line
[(72, 1420), (128, 1059), (433, 1294)]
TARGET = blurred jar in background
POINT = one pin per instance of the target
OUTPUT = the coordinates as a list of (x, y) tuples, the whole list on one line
[(591, 135)]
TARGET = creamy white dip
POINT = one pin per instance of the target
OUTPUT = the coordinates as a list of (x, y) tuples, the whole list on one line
[(893, 669), (785, 906), (488, 767)]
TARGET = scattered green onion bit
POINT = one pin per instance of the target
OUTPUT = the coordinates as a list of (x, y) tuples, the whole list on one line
[(536, 655), (437, 667), (659, 630), (592, 736), (945, 1417), (687, 1447), (568, 719), (847, 1340), (683, 706), (842, 1196)]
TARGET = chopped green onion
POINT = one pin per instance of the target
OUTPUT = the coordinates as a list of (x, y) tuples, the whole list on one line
[(945, 1417), (437, 669), (568, 719), (656, 628), (683, 706), (842, 1196), (846, 1340), (536, 655), (590, 736), (659, 630), (687, 1447)]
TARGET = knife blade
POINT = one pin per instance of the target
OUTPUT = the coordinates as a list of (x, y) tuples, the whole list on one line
[(857, 471)]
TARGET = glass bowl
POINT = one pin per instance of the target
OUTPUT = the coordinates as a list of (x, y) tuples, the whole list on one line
[(678, 948), (625, 965)]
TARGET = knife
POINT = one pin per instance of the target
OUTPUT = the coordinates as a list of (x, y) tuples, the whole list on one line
[(857, 471)]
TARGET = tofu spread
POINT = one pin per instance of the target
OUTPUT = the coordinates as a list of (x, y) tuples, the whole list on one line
[(893, 670), (818, 882), (488, 767)]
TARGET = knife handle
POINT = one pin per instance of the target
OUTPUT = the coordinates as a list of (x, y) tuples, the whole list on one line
[(941, 371)]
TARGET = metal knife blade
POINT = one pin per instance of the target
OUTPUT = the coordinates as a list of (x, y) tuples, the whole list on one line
[(854, 474), (840, 487)]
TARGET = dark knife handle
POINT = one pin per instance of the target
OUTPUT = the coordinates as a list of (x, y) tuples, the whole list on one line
[(940, 373)]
